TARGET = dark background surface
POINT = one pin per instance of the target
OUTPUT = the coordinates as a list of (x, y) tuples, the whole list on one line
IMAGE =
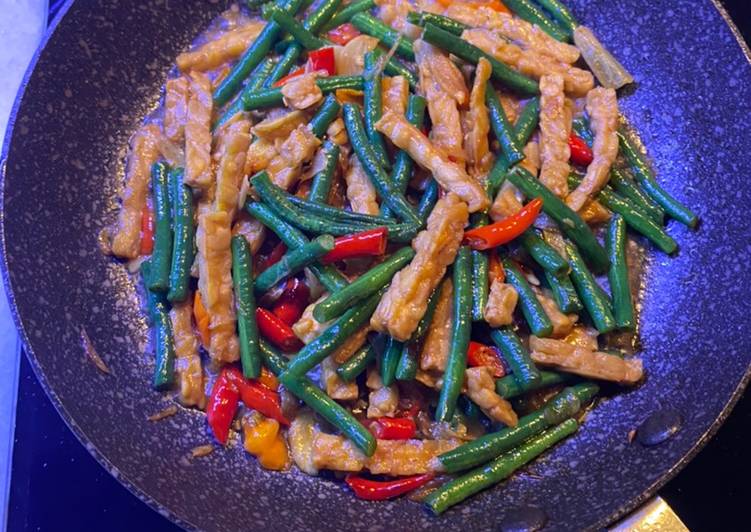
[(56, 484)]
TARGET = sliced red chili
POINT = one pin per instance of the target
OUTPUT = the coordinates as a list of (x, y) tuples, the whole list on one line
[(256, 396), (581, 154), (222, 405), (295, 73), (343, 34), (506, 230), (147, 231), (321, 59), (291, 304), (367, 243), (276, 331), (272, 258), (484, 355), (373, 490), (393, 428)]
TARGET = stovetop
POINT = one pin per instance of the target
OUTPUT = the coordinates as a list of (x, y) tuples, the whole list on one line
[(56, 484)]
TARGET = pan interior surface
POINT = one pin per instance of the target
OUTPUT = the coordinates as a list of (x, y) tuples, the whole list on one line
[(99, 75)]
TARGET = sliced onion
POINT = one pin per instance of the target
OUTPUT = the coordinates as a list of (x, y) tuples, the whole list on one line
[(606, 68), (350, 58)]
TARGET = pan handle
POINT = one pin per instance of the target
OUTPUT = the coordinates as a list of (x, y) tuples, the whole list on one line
[(654, 515)]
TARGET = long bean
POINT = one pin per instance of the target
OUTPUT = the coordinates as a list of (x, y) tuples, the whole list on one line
[(164, 344), (563, 406), (256, 80), (462, 49), (538, 321), (333, 213), (356, 364), (284, 65), (328, 275), (183, 238), (293, 261), (371, 281), (272, 97), (314, 21), (564, 293), (407, 368), (445, 23), (569, 221), (525, 125), (321, 183), (615, 244), (503, 130), (456, 364), (346, 13), (590, 292), (561, 14), (242, 279), (339, 332), (383, 184), (544, 254), (528, 11), (372, 106), (255, 53), (161, 257), (480, 288), (325, 114), (390, 360), (395, 67), (507, 387), (288, 23), (647, 181), (428, 200), (384, 33), (525, 372)]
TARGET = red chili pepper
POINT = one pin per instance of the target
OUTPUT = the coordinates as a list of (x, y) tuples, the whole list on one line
[(291, 304), (256, 396), (506, 230), (272, 258), (321, 59), (484, 355), (343, 34), (495, 268), (295, 73), (364, 244), (581, 154), (222, 405), (373, 490), (147, 231), (393, 428), (276, 331)]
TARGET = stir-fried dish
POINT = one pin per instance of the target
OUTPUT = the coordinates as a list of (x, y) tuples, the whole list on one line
[(390, 239)]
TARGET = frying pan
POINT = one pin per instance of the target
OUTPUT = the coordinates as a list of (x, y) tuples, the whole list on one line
[(96, 77)]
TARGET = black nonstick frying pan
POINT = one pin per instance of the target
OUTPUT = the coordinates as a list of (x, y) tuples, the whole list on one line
[(99, 73)]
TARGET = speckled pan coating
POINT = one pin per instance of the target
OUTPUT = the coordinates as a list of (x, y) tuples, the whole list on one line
[(98, 76)]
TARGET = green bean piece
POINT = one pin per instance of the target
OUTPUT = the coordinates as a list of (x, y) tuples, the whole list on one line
[(561, 14), (445, 23), (647, 181), (505, 134), (314, 21), (581, 127), (304, 389), (284, 65), (356, 364), (526, 374), (462, 49), (255, 82), (347, 12), (293, 262), (406, 370), (334, 213), (525, 125), (183, 243), (373, 105), (324, 116), (394, 67), (564, 293), (361, 288), (591, 294), (161, 257), (528, 11), (390, 360), (404, 165), (508, 388), (570, 222), (288, 23), (615, 244), (480, 288), (313, 354), (544, 254), (164, 344), (627, 188), (242, 280), (255, 53), (321, 183), (634, 217), (383, 184), (328, 275), (458, 489), (384, 33), (485, 448), (456, 364), (428, 201), (538, 321), (272, 97)]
